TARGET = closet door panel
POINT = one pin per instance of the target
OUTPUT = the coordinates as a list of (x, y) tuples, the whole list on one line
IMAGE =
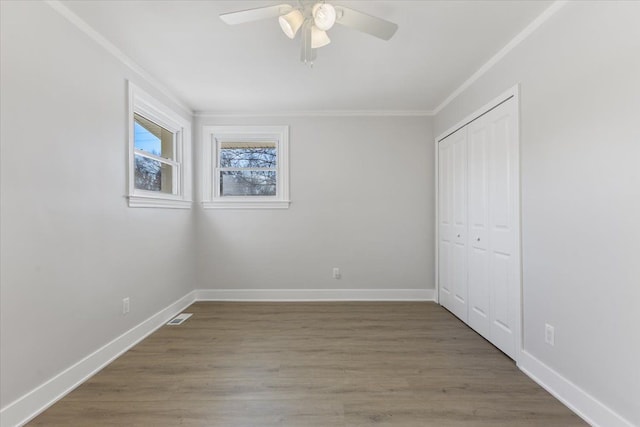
[(459, 239), (479, 291), (445, 224), (452, 227), (503, 227)]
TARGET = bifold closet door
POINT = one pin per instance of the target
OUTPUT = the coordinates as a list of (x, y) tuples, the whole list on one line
[(479, 271), (452, 217)]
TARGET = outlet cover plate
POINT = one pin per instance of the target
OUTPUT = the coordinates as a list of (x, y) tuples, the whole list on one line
[(549, 334)]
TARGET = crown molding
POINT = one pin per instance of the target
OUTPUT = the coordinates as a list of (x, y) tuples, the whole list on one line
[(523, 35), (92, 33), (318, 113)]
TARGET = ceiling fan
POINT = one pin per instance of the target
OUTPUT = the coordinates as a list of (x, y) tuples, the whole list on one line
[(314, 18)]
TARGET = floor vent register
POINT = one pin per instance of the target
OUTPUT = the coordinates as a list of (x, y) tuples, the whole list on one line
[(179, 319)]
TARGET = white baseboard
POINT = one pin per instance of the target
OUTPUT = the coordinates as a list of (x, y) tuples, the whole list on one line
[(315, 295), (579, 401), (33, 403)]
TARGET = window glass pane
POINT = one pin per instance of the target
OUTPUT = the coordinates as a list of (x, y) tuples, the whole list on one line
[(152, 138), (248, 183), (152, 175), (248, 155)]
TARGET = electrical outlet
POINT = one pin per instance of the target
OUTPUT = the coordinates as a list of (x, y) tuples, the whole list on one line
[(125, 305), (336, 273), (549, 334)]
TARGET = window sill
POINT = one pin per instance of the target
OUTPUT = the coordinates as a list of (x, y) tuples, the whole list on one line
[(155, 202), (247, 204)]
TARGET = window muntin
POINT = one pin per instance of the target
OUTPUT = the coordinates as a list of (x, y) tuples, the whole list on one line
[(245, 167)]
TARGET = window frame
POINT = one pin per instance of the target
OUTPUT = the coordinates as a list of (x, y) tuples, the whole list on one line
[(214, 136), (151, 109)]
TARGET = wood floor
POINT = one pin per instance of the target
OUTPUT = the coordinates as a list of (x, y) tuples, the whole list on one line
[(312, 364)]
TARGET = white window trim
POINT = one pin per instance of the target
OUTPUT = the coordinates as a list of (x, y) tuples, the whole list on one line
[(144, 104), (212, 134)]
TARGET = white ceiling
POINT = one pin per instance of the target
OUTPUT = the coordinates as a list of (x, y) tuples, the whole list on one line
[(254, 67)]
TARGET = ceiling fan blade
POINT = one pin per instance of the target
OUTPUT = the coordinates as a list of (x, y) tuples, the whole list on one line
[(250, 15), (360, 21)]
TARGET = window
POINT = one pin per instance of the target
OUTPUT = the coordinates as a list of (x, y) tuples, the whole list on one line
[(154, 157), (245, 167), (159, 141)]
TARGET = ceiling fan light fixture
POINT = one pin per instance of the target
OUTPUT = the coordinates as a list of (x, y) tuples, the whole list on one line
[(291, 22), (324, 16), (319, 38), (313, 18)]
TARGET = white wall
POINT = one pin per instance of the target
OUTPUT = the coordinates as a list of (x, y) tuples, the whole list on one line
[(71, 249), (579, 76), (362, 200)]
